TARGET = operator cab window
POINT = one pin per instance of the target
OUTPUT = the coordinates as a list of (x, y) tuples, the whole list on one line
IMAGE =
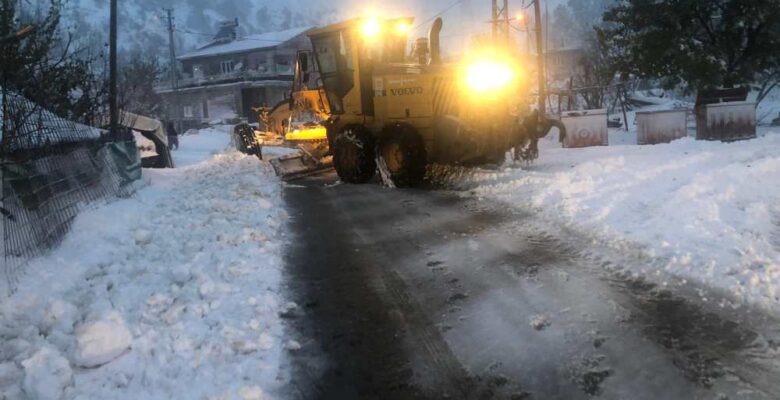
[(334, 59)]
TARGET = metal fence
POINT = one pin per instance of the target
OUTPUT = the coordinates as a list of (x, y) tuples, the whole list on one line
[(50, 169)]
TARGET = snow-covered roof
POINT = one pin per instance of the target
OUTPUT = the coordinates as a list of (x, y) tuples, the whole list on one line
[(246, 43)]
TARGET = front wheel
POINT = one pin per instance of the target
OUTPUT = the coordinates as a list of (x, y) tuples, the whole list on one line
[(401, 157), (353, 155), (246, 140)]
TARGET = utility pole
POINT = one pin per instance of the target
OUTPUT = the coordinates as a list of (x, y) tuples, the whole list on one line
[(500, 21), (174, 78), (112, 74), (171, 47), (540, 59)]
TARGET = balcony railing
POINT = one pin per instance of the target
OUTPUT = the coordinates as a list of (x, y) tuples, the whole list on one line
[(188, 81)]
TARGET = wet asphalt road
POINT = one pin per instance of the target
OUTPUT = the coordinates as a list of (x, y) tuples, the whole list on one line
[(430, 294)]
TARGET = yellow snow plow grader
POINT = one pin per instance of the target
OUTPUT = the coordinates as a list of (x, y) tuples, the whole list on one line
[(384, 111)]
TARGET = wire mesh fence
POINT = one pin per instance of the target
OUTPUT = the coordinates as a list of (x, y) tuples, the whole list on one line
[(50, 169)]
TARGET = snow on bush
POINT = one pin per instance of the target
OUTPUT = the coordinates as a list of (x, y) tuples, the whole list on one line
[(710, 209), (173, 293)]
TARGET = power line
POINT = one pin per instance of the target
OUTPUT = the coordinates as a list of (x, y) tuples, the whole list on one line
[(189, 32), (450, 7)]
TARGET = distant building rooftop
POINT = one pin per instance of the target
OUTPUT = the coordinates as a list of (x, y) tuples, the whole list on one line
[(243, 44)]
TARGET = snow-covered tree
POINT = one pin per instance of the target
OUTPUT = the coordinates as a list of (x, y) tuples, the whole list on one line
[(697, 43), (46, 66), (136, 85)]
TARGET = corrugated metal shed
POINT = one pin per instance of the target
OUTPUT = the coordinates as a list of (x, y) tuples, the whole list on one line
[(585, 128), (654, 127)]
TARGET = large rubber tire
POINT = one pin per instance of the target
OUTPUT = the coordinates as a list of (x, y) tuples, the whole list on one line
[(353, 155), (246, 141), (401, 157), (239, 137)]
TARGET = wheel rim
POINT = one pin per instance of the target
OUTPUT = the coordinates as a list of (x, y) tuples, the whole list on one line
[(393, 156), (352, 161)]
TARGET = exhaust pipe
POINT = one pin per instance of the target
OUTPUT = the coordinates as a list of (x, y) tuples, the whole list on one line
[(434, 42)]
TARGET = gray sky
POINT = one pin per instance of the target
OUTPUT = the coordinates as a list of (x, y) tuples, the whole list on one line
[(141, 22)]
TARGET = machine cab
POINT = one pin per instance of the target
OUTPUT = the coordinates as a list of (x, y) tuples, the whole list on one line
[(346, 55)]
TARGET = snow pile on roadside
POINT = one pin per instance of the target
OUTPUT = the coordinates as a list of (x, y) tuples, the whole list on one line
[(171, 294), (712, 210)]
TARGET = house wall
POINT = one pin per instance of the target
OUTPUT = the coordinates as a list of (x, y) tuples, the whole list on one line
[(196, 106), (562, 64), (265, 79), (276, 60)]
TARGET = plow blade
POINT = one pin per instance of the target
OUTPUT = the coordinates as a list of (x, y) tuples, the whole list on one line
[(297, 166)]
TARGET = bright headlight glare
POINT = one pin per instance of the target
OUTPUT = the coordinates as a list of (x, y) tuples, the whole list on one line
[(403, 28), (371, 27), (486, 76)]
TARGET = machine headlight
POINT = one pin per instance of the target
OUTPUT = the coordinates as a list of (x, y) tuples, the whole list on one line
[(485, 76), (371, 27), (403, 28)]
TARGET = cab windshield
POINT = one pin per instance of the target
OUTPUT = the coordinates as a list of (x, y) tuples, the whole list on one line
[(333, 54)]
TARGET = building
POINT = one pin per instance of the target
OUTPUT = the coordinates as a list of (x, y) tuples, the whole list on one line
[(226, 77), (564, 63)]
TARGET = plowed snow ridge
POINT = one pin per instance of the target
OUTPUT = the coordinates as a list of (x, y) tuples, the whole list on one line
[(708, 208), (190, 268)]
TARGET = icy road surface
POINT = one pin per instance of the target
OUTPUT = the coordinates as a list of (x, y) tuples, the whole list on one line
[(427, 294), (171, 294)]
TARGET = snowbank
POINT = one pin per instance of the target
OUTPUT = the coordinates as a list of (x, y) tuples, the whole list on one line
[(710, 210), (171, 294)]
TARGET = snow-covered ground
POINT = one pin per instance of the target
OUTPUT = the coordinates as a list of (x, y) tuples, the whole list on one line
[(197, 148), (171, 294), (709, 210)]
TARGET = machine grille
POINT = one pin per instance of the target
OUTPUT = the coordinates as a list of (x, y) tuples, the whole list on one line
[(444, 96)]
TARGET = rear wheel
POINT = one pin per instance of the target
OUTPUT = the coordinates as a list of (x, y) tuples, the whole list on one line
[(401, 157), (353, 155)]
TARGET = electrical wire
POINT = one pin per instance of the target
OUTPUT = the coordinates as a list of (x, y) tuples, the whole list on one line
[(440, 13), (187, 31)]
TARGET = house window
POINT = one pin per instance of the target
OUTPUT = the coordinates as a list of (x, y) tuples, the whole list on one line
[(283, 65), (188, 112), (226, 66)]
